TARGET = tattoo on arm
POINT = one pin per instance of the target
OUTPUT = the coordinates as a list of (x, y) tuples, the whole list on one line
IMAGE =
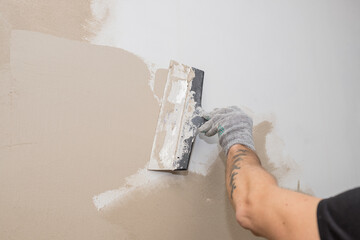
[(232, 183), (234, 168)]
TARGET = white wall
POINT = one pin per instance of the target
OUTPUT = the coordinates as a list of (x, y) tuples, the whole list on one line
[(297, 60)]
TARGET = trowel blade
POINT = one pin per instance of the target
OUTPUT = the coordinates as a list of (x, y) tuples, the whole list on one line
[(178, 119)]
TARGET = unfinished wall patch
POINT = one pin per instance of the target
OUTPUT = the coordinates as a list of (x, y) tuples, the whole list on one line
[(90, 113)]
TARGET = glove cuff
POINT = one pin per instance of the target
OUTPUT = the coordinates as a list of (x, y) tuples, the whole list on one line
[(245, 139)]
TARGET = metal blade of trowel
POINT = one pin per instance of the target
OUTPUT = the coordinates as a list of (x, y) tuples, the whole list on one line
[(178, 118)]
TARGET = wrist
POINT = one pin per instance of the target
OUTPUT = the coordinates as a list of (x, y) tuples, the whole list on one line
[(236, 135), (251, 156), (234, 148)]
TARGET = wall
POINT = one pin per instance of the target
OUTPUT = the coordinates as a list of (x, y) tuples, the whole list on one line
[(292, 65)]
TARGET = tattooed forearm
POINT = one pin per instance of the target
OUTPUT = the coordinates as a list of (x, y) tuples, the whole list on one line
[(234, 167), (232, 183)]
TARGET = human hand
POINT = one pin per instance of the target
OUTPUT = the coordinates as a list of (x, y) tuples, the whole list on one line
[(232, 125)]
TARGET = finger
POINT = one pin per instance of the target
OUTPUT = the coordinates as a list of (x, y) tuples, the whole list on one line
[(213, 130), (205, 127), (202, 113), (205, 115)]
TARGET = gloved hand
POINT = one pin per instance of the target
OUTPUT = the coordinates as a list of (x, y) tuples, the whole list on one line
[(232, 125)]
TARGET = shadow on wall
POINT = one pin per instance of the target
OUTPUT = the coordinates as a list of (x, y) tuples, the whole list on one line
[(279, 165), (194, 208), (260, 132)]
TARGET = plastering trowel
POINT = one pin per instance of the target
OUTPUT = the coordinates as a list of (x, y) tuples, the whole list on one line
[(178, 118)]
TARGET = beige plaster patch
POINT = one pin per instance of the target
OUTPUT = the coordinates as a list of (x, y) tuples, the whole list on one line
[(81, 119)]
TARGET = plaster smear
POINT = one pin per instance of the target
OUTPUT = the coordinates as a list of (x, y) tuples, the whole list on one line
[(178, 91), (144, 181)]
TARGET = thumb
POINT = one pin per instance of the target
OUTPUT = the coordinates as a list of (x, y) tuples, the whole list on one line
[(205, 127), (202, 113)]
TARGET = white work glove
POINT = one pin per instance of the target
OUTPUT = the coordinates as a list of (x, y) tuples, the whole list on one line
[(232, 125)]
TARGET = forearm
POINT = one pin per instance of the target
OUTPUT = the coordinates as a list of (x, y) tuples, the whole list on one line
[(244, 173), (263, 207), (246, 182), (260, 204)]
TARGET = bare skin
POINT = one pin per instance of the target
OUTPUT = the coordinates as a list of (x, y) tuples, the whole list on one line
[(263, 207)]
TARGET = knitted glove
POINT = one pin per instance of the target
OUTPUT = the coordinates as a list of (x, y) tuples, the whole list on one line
[(232, 125)]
